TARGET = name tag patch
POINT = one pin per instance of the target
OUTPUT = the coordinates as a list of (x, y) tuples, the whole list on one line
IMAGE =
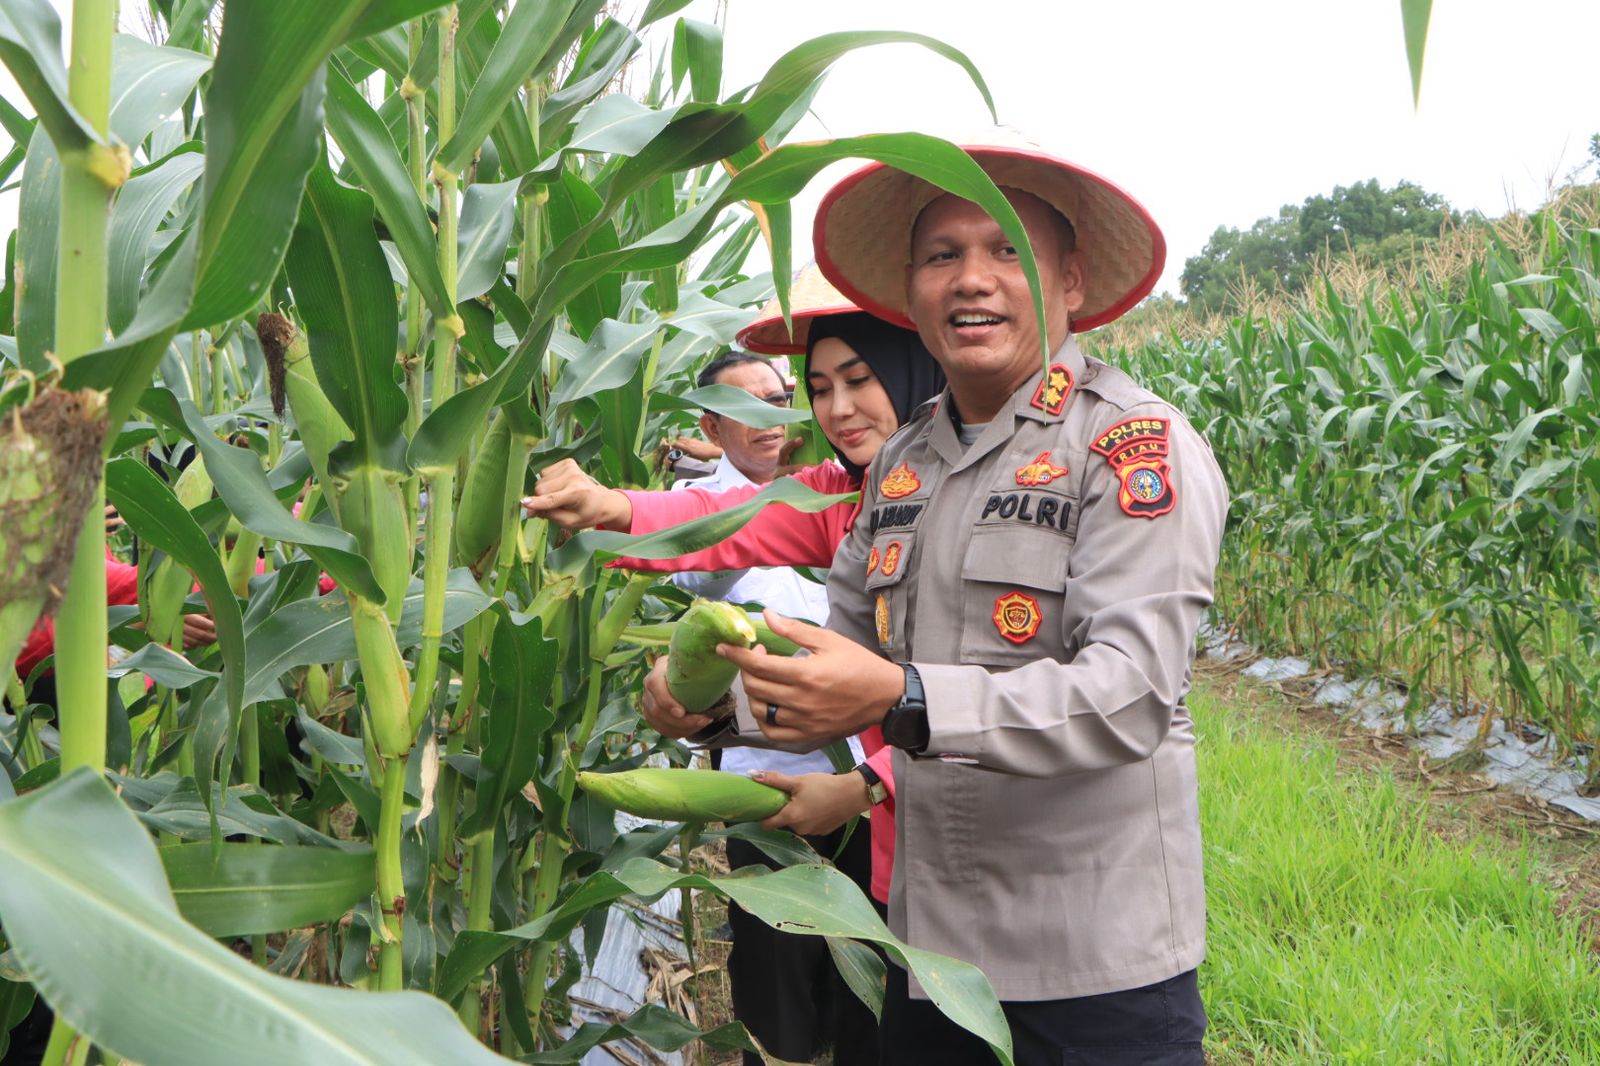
[(1039, 508), (896, 516)]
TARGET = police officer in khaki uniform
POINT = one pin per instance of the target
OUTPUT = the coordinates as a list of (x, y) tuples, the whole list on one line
[(1017, 607)]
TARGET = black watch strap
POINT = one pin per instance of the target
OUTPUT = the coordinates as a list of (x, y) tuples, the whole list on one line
[(906, 724)]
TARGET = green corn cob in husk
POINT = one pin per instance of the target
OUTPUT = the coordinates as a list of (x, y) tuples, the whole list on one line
[(50, 463), (696, 675), (684, 795)]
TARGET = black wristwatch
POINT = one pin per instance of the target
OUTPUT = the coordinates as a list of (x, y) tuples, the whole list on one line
[(877, 791), (906, 724)]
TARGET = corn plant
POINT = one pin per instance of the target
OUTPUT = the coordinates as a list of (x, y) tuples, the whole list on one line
[(1415, 475), (333, 281)]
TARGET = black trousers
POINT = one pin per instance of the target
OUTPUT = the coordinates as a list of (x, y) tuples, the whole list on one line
[(786, 989), (1157, 1025)]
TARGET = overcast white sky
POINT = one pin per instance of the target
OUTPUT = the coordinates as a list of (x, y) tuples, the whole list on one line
[(1212, 114)]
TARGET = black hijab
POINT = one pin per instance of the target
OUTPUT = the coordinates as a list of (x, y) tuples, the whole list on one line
[(903, 366)]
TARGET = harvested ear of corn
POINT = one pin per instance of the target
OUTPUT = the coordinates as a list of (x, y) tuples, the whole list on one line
[(684, 795), (697, 676)]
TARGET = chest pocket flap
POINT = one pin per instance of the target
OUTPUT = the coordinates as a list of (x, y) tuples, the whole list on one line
[(1014, 580)]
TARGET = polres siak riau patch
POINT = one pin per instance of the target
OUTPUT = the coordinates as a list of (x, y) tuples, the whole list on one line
[(1146, 489), (1040, 472), (901, 481), (1016, 616), (1115, 439), (880, 618), (1051, 395)]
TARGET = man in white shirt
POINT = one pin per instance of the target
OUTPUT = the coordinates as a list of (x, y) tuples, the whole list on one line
[(786, 988)]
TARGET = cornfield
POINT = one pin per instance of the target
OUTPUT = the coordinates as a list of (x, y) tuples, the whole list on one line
[(1416, 469), (331, 282)]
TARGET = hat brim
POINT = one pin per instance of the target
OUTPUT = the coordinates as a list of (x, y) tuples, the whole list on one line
[(767, 336), (862, 232)]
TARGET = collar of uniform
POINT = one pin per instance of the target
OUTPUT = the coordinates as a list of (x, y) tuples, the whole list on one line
[(947, 442), (1068, 357)]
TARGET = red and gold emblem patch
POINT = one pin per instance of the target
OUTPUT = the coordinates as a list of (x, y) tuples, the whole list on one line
[(1040, 472), (1016, 616), (1132, 429), (891, 558), (901, 481), (1051, 395), (880, 617), (872, 560), (1136, 449), (1146, 490)]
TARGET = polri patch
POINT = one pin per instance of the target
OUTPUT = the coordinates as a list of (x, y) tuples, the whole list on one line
[(880, 617), (1146, 489), (1016, 616), (1051, 395), (872, 560), (891, 558), (1040, 472), (901, 481)]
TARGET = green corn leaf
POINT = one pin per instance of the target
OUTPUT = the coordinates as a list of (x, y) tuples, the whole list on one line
[(528, 33), (137, 214), (486, 223), (148, 83), (38, 214), (736, 404), (861, 969), (689, 536), (148, 505), (30, 46), (80, 869), (345, 296), (319, 630), (1415, 15), (243, 485), (618, 125), (522, 665), (815, 900), (653, 1026), (367, 147), (242, 889), (608, 361), (611, 47), (697, 51), (163, 666)]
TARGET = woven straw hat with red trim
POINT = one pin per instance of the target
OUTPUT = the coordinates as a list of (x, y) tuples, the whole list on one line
[(862, 233), (809, 297)]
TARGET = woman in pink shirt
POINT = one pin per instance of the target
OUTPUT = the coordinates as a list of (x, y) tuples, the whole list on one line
[(864, 377)]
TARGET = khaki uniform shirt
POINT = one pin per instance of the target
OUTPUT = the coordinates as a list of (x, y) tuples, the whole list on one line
[(1047, 582)]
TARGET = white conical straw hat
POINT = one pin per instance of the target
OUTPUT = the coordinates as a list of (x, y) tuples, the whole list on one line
[(810, 296), (862, 233)]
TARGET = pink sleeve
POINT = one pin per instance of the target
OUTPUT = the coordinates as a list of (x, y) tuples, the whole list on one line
[(880, 757), (122, 587), (776, 536)]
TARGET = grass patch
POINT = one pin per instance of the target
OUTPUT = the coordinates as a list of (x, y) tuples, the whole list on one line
[(1343, 928)]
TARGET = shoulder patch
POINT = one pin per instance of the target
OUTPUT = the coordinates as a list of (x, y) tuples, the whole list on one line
[(1115, 439), (1051, 395), (1136, 451)]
